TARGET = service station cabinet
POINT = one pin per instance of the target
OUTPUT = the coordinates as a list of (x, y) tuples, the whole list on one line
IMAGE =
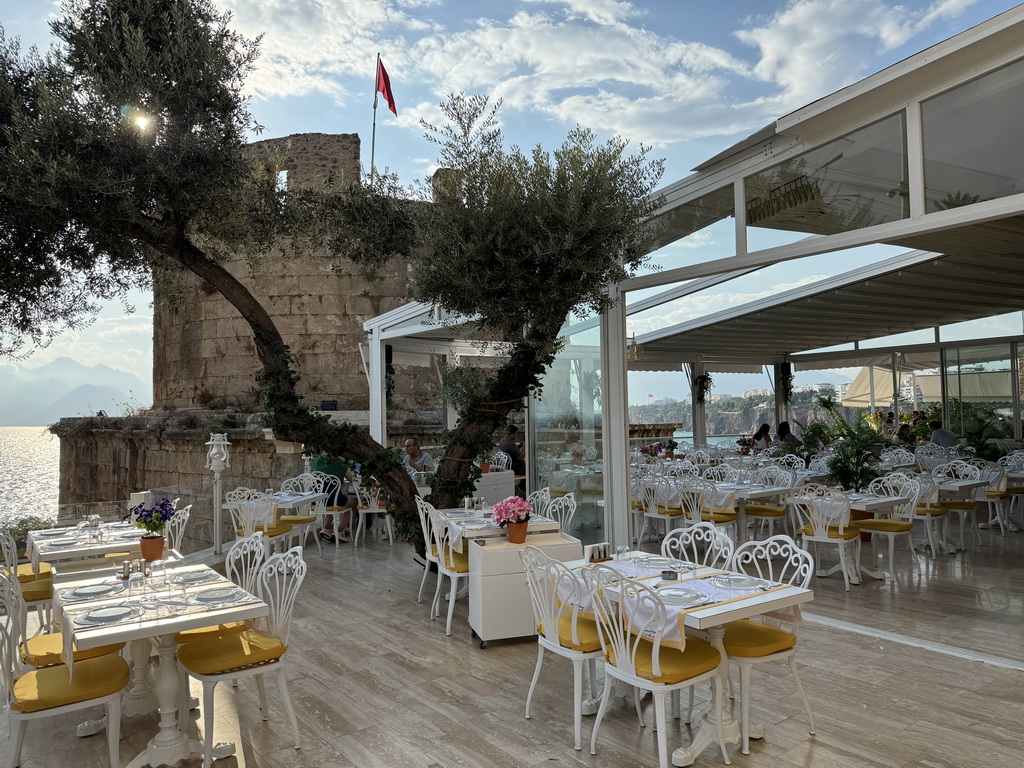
[(499, 599)]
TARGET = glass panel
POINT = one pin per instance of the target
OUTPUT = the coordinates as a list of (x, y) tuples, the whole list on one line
[(566, 452), (983, 328), (700, 230), (960, 168), (857, 181), (923, 336), (979, 395)]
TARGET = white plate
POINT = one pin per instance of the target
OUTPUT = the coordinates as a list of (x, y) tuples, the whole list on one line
[(684, 598), (218, 595), (474, 521), (94, 590), (62, 543), (192, 577), (131, 534), (109, 614), (658, 563), (48, 532), (737, 581), (120, 525)]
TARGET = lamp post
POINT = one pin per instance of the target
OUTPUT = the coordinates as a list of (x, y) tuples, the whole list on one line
[(217, 459)]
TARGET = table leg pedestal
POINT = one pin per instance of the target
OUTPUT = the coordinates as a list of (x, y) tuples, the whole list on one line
[(171, 744), (707, 732), (141, 697)]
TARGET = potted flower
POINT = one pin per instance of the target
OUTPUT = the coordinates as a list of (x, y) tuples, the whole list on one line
[(512, 514), (484, 459), (152, 521), (745, 444), (651, 451), (670, 449), (577, 451)]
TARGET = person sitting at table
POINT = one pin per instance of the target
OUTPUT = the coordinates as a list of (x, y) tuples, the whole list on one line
[(943, 437), (517, 453), (903, 438), (889, 427), (785, 435), (416, 460), (339, 498), (762, 438)]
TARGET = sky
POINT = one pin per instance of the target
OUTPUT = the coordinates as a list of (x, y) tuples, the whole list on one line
[(687, 77)]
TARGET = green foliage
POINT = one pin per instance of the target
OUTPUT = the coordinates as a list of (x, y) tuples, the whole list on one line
[(853, 463), (978, 424), (20, 527)]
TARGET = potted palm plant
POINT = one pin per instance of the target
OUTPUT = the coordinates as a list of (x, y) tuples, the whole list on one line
[(854, 462)]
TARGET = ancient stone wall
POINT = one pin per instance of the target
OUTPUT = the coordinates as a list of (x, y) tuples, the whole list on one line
[(108, 460)]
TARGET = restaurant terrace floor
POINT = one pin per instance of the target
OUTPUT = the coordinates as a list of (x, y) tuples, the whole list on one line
[(376, 684)]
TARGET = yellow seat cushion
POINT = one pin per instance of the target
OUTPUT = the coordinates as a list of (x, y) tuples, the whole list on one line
[(849, 531), (223, 654), (934, 511), (993, 494), (676, 666), (50, 687), (752, 639), (40, 589), (45, 650), (26, 574), (959, 504), (672, 510), (586, 631), (455, 561), (275, 530), (296, 519), (1015, 489), (718, 516), (208, 633), (766, 510), (884, 525)]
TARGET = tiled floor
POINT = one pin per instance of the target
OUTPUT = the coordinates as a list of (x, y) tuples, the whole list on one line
[(375, 683)]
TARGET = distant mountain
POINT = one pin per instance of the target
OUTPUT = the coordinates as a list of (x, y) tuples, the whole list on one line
[(64, 387), (673, 384)]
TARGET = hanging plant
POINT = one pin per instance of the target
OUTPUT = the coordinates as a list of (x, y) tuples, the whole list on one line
[(786, 383), (701, 386)]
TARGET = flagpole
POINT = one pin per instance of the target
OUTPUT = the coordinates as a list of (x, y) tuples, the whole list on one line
[(373, 136)]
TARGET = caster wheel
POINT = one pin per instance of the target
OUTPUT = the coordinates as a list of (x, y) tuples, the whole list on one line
[(483, 644), (472, 633)]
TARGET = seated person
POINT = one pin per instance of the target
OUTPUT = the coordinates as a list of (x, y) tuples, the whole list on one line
[(415, 459), (943, 437), (516, 452), (785, 435), (762, 438), (903, 438), (339, 499)]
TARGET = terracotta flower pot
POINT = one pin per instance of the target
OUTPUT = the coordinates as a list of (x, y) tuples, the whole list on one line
[(670, 454), (152, 547), (484, 468), (516, 532)]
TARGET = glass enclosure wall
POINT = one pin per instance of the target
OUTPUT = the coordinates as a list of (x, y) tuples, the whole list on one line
[(959, 171), (701, 230), (979, 391), (856, 181), (566, 452)]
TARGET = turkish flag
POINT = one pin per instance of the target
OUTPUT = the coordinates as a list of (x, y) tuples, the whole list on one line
[(384, 86)]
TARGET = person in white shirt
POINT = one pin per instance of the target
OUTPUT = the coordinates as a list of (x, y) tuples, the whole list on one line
[(762, 438), (943, 437)]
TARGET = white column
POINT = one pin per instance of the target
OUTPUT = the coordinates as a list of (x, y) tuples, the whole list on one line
[(378, 406), (614, 421)]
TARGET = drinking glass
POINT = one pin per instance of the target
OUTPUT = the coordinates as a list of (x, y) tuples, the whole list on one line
[(82, 525), (137, 585), (620, 552), (158, 573)]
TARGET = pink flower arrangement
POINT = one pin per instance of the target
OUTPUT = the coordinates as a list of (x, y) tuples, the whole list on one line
[(651, 450), (577, 450), (511, 510)]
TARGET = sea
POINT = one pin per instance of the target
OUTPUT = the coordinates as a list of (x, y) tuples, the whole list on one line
[(29, 473)]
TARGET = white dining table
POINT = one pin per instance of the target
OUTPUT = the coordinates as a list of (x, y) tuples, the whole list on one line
[(469, 524), (742, 493), (167, 609), (56, 545), (711, 619)]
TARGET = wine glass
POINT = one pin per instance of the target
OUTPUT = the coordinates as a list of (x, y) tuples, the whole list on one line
[(621, 551)]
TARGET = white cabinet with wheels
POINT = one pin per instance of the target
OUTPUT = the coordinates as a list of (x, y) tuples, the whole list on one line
[(496, 486), (499, 599)]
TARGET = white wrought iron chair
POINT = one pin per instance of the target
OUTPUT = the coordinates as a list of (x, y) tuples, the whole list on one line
[(825, 519), (562, 509), (898, 519), (701, 543), (994, 496), (176, 527), (36, 592), (791, 462), (305, 521), (252, 511), (539, 500), (500, 460), (423, 509), (370, 512), (702, 502), (964, 507), (773, 476), (662, 508), (450, 563), (932, 516), (777, 559), (52, 691), (632, 625), (253, 652), (556, 597)]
